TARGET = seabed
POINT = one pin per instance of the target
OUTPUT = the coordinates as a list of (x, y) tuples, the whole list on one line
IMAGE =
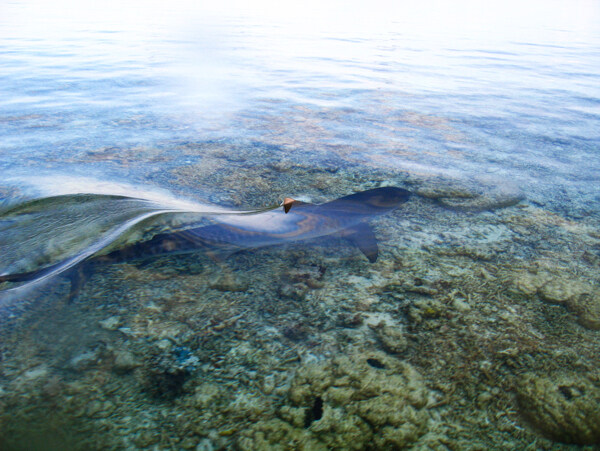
[(477, 328)]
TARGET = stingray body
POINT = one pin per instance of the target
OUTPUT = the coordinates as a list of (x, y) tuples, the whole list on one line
[(346, 217), (295, 221)]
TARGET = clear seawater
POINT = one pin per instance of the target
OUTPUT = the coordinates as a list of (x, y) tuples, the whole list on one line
[(195, 101), (509, 90)]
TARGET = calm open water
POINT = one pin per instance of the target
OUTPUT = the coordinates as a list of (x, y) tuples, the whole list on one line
[(463, 90)]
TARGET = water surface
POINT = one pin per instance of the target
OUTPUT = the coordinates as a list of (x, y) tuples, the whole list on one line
[(487, 281)]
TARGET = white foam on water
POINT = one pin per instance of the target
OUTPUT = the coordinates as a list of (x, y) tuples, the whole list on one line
[(60, 185), (62, 221)]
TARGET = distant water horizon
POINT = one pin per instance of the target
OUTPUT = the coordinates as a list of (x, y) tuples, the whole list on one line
[(507, 91)]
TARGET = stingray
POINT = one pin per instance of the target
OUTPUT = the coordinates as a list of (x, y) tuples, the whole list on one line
[(293, 221)]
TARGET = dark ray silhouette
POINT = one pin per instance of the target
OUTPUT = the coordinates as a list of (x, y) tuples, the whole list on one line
[(293, 221)]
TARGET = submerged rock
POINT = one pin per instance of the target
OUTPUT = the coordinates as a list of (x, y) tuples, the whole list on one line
[(528, 283), (36, 373), (297, 291), (560, 290), (392, 338), (564, 406), (111, 323), (587, 309), (99, 409), (556, 287), (125, 361), (85, 360), (479, 195), (229, 282)]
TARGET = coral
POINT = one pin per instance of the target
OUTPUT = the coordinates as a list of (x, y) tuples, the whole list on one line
[(485, 195), (563, 406), (266, 350), (587, 308), (528, 283), (276, 435), (348, 402), (391, 337), (558, 287)]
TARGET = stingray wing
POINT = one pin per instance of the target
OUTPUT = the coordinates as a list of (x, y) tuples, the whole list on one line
[(363, 237)]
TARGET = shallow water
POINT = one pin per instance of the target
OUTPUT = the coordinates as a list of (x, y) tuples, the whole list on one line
[(486, 288)]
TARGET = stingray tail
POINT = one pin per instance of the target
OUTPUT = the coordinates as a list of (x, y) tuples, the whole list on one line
[(22, 277), (78, 277)]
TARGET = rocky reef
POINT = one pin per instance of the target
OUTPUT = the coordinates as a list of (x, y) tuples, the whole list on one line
[(563, 405), (477, 328), (352, 401)]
